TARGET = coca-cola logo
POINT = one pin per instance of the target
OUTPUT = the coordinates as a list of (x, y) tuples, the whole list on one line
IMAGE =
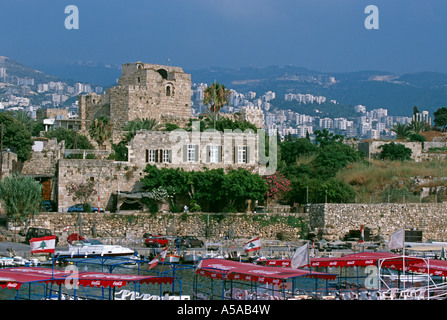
[(12, 285), (117, 283)]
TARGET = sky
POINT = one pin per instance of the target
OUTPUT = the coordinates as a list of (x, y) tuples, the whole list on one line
[(323, 35)]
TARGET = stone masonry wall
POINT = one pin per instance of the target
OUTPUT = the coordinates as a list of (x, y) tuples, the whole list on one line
[(330, 221), (135, 225), (112, 175), (176, 142), (333, 221)]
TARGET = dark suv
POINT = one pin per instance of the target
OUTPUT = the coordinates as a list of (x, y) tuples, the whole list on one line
[(35, 232), (188, 241)]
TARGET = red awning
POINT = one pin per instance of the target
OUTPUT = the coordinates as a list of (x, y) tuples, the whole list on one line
[(232, 270), (361, 259), (13, 278), (432, 266)]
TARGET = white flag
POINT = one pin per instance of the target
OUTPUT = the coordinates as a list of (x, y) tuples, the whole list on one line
[(397, 239), (300, 257)]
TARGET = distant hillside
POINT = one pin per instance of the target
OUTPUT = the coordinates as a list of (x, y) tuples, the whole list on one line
[(14, 68), (374, 89)]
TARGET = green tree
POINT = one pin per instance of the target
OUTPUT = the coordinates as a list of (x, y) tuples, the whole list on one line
[(418, 127), (240, 186), (208, 191), (292, 148), (333, 157), (210, 188), (133, 126), (440, 117), (100, 130), (401, 130), (21, 197), (16, 136), (175, 180), (73, 139), (415, 110), (215, 97), (417, 137), (23, 117), (395, 151), (325, 137)]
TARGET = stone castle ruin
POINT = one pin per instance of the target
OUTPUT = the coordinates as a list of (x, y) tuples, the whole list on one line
[(143, 91)]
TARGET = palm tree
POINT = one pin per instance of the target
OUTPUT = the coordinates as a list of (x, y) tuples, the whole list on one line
[(401, 130), (418, 126), (216, 97), (23, 117), (133, 126), (100, 130)]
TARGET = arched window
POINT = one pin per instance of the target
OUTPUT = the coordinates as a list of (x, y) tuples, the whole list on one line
[(168, 91)]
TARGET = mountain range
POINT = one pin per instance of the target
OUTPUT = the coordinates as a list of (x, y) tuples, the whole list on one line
[(374, 89)]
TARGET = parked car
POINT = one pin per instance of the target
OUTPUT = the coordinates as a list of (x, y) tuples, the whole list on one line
[(156, 241), (188, 241), (80, 208), (36, 232), (49, 206)]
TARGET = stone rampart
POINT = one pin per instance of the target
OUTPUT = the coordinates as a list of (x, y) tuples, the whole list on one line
[(135, 225), (333, 221)]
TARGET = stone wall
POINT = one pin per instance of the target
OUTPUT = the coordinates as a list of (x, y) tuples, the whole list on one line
[(328, 221), (112, 175), (254, 115), (333, 221), (372, 148), (135, 225)]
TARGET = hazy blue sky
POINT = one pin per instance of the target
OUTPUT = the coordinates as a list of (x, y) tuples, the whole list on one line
[(325, 35)]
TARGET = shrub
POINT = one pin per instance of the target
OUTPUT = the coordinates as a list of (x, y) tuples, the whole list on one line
[(395, 151)]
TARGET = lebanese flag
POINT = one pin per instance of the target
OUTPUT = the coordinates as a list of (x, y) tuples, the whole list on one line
[(159, 258), (43, 245), (362, 234), (252, 245)]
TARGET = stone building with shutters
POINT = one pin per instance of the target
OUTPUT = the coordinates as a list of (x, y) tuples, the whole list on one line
[(196, 150)]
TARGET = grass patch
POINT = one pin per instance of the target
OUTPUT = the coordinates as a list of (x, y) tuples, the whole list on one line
[(373, 180)]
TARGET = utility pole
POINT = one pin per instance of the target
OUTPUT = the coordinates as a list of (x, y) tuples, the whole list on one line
[(1, 154), (99, 178)]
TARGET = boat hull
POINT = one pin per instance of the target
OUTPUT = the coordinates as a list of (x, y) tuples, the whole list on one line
[(95, 251), (192, 258), (172, 259)]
